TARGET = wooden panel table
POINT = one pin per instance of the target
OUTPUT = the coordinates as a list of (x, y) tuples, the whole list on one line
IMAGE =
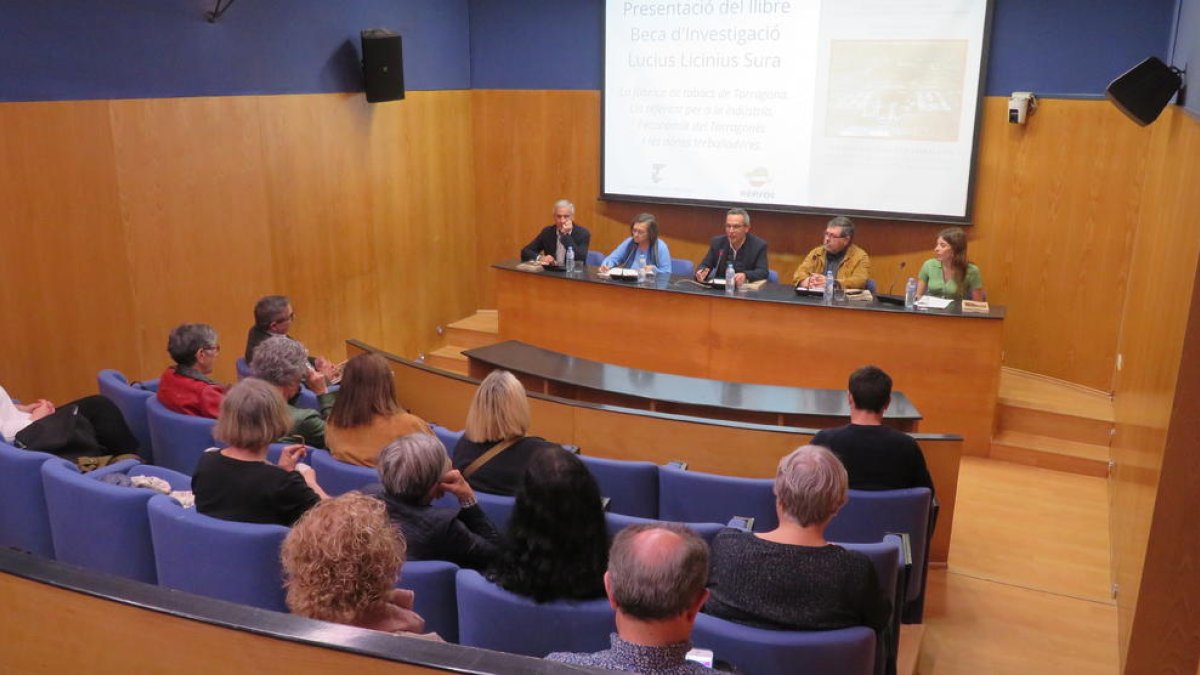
[(947, 362), (567, 376)]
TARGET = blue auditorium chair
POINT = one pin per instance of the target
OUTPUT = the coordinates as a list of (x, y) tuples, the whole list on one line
[(24, 523), (632, 487), (448, 438), (178, 440), (222, 559), (130, 398), (337, 477), (694, 497), (492, 618), (243, 369), (773, 276), (869, 516), (682, 268), (887, 556), (433, 585), (848, 651), (102, 526), (595, 258), (498, 508), (615, 522)]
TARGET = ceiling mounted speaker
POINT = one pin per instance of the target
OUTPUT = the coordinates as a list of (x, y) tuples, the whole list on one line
[(1145, 90)]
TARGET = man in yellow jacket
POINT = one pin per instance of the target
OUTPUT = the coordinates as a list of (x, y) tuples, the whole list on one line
[(850, 264)]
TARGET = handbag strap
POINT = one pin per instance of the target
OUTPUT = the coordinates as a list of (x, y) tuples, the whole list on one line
[(487, 457)]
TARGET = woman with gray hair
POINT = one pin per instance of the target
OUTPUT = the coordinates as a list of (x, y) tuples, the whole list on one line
[(236, 482), (414, 471), (283, 362), (791, 578), (186, 388)]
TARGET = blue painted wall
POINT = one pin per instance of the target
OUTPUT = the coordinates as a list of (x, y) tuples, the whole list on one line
[(81, 49), (90, 49)]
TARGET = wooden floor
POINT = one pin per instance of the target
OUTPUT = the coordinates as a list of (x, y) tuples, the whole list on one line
[(1027, 587)]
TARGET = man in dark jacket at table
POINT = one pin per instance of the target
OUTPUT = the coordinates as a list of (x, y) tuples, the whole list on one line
[(550, 246)]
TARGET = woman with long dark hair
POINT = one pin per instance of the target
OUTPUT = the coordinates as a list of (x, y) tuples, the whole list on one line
[(642, 248), (366, 416), (556, 546), (948, 274)]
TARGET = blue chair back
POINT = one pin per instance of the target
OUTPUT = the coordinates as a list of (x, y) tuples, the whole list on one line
[(337, 477), (848, 651), (178, 440), (773, 276), (615, 522), (682, 268), (595, 258), (222, 559), (868, 516), (97, 525), (435, 599), (130, 399), (871, 286), (492, 618), (308, 399), (887, 558), (24, 523), (498, 508), (243, 369), (694, 497), (632, 487), (448, 438)]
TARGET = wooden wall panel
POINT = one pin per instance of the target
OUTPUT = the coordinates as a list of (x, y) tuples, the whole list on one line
[(1154, 339), (173, 210), (1055, 210), (194, 207), (64, 283)]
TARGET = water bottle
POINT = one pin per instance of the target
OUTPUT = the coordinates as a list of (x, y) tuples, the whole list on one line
[(910, 293), (729, 279), (829, 281), (641, 262), (570, 260)]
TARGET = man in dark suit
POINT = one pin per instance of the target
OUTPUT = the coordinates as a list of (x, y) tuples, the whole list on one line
[(747, 252), (550, 246)]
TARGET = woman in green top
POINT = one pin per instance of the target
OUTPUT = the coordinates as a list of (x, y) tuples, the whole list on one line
[(948, 274)]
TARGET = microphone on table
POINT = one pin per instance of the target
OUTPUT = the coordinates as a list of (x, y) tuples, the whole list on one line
[(717, 266), (893, 286)]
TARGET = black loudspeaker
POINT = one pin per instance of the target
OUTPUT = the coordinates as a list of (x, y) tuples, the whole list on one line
[(1145, 90), (383, 65)]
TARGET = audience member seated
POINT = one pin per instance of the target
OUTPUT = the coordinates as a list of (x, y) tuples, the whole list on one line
[(550, 245), (414, 471), (366, 416), (274, 315), (839, 254), (185, 388), (556, 546), (236, 482), (88, 427), (282, 362), (341, 563), (655, 582), (641, 249), (494, 450), (948, 274), (876, 457), (792, 578)]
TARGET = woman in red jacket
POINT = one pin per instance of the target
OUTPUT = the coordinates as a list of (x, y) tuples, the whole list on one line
[(185, 387)]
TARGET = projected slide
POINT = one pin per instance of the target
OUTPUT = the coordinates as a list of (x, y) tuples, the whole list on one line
[(841, 105)]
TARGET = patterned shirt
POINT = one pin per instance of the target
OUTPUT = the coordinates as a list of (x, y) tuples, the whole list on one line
[(665, 660)]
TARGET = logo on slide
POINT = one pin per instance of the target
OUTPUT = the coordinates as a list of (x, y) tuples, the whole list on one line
[(656, 172), (758, 177)]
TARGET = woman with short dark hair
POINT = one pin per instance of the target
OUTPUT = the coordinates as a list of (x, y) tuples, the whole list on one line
[(186, 388)]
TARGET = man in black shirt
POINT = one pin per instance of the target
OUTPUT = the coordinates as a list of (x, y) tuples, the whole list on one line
[(876, 457)]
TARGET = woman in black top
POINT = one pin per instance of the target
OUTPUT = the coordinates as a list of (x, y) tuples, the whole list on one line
[(791, 577), (236, 482), (414, 471), (556, 546), (499, 414)]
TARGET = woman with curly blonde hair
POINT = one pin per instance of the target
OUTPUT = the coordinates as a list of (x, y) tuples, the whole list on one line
[(341, 562)]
